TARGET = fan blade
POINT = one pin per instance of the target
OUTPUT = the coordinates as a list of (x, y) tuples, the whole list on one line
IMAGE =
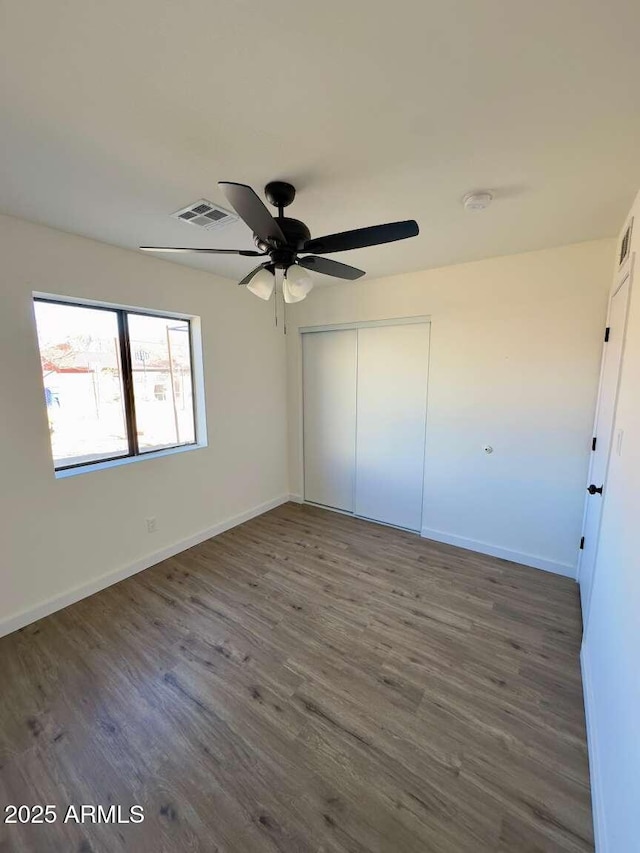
[(328, 267), (246, 252), (249, 207), (360, 238), (253, 272)]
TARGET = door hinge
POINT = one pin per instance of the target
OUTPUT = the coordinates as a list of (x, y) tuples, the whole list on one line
[(582, 544), (606, 334), (593, 442)]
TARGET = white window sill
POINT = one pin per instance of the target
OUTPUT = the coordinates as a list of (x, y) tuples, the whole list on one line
[(126, 460)]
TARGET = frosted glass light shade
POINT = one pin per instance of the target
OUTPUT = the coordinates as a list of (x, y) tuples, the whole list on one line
[(262, 284), (297, 283)]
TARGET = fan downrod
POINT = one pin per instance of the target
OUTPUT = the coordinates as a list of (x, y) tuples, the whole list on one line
[(280, 194)]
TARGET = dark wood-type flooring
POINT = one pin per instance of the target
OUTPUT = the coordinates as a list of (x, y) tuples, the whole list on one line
[(305, 682)]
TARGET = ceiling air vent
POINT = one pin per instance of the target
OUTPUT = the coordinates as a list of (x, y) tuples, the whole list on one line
[(205, 214), (626, 244)]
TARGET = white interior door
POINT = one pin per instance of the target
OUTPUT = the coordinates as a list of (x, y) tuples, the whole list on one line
[(329, 412), (610, 372), (391, 419)]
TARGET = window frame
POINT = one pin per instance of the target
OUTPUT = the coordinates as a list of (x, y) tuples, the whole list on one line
[(134, 453)]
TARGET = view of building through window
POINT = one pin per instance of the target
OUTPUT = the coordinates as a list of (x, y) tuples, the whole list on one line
[(90, 357), (161, 367)]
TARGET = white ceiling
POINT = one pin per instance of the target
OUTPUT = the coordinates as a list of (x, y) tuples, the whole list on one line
[(118, 112)]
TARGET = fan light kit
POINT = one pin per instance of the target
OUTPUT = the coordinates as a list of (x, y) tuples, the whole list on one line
[(282, 239), (477, 201), (262, 284), (296, 284)]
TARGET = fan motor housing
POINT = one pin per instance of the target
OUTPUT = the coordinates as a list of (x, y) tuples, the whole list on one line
[(295, 232)]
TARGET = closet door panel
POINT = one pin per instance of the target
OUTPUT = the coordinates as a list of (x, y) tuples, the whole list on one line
[(329, 412), (391, 419)]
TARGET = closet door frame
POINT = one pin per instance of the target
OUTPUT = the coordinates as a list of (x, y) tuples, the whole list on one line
[(358, 324)]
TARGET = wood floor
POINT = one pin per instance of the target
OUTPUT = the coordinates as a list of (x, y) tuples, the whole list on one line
[(305, 682)]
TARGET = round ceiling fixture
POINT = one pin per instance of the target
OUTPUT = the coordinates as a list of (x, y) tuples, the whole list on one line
[(477, 201)]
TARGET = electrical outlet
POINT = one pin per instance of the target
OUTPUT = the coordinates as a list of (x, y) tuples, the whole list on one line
[(152, 524)]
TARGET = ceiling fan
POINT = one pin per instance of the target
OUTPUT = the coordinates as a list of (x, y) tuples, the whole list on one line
[(283, 240)]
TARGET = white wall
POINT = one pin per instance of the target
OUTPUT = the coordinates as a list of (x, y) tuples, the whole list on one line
[(59, 537), (515, 353), (611, 646)]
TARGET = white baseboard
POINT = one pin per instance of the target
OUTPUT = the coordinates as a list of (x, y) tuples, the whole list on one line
[(297, 499), (557, 568), (597, 807), (45, 608)]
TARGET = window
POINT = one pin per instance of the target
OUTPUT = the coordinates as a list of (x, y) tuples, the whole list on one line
[(118, 383)]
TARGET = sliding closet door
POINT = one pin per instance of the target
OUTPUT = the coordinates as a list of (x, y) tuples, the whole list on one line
[(329, 405), (391, 420)]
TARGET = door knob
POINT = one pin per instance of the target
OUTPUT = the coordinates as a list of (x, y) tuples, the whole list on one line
[(593, 489)]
